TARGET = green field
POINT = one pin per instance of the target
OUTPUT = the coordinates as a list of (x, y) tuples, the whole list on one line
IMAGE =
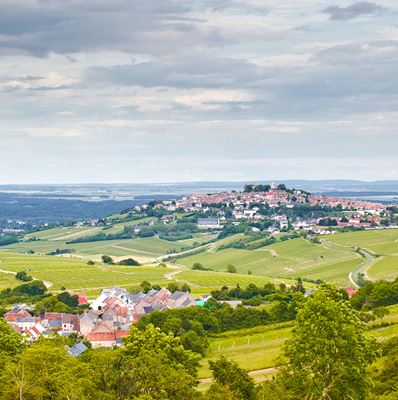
[(8, 280), (380, 242), (74, 273), (142, 247), (253, 349), (365, 239), (288, 259), (258, 347), (331, 261), (218, 279)]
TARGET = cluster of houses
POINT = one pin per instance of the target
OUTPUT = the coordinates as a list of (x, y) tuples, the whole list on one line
[(274, 198), (108, 319), (246, 206)]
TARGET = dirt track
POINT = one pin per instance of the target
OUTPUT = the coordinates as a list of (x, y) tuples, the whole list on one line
[(251, 373)]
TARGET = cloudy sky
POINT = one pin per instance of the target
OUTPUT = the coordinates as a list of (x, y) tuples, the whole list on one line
[(186, 90)]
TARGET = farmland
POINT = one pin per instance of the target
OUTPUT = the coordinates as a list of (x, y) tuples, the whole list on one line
[(76, 274), (381, 243), (289, 259), (332, 260), (257, 348)]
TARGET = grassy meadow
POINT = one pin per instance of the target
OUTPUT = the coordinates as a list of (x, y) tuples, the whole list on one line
[(258, 348), (284, 260), (74, 273), (382, 244), (281, 261)]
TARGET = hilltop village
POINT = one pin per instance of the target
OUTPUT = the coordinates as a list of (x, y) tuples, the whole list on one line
[(273, 209)]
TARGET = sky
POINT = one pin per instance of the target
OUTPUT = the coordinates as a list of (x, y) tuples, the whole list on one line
[(182, 90)]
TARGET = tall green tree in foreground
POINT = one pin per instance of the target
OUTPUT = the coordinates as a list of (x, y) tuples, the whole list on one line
[(230, 381), (328, 351)]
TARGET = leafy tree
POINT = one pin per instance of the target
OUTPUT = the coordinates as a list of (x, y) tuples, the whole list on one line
[(90, 262), (11, 342), (185, 288), (173, 287), (380, 312), (66, 298), (230, 378), (328, 351), (231, 269), (199, 267), (156, 364), (129, 261), (23, 276), (106, 259), (146, 286), (43, 371), (385, 376), (299, 286)]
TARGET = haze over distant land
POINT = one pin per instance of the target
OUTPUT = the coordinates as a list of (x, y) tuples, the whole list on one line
[(160, 91)]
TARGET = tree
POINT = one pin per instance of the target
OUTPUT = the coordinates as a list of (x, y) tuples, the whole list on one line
[(299, 286), (328, 351), (106, 259), (23, 276), (66, 298), (146, 286), (129, 262), (231, 269), (156, 364), (380, 312), (199, 267), (173, 287), (230, 378), (11, 342), (185, 288), (43, 371)]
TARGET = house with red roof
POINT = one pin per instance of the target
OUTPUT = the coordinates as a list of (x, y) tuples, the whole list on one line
[(104, 336)]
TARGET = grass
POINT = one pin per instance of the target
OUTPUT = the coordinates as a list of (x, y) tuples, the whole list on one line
[(380, 242), (364, 239), (287, 260), (76, 274), (384, 268), (8, 280), (264, 346), (145, 247), (213, 280), (266, 342)]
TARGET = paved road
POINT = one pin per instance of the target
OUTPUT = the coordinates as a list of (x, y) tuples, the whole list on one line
[(356, 273), (371, 259)]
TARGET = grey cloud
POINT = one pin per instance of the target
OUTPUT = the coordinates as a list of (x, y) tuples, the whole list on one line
[(197, 70), (135, 26), (337, 13), (377, 52)]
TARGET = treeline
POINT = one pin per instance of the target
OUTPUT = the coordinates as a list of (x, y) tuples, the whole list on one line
[(253, 241), (35, 292), (29, 293), (8, 239), (101, 236), (61, 251), (376, 294), (194, 324), (178, 229), (249, 243)]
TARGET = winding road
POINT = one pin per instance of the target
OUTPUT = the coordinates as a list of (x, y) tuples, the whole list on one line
[(371, 259), (353, 276)]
